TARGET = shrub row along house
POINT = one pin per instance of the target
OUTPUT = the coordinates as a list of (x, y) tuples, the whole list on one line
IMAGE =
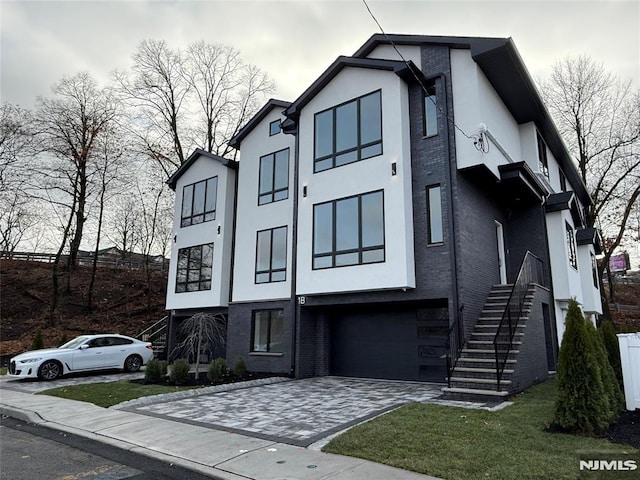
[(413, 215)]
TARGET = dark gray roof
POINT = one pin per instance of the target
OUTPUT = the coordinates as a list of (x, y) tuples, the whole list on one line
[(198, 152), (500, 61), (589, 236), (406, 71), (257, 118)]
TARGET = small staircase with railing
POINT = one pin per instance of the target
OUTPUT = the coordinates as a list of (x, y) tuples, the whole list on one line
[(157, 335), (484, 366)]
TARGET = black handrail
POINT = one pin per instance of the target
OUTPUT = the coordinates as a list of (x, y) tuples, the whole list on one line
[(455, 342), (531, 271)]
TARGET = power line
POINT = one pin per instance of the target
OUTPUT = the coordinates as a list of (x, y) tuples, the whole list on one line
[(478, 140)]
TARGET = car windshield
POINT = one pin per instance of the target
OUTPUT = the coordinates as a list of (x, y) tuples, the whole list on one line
[(75, 342)]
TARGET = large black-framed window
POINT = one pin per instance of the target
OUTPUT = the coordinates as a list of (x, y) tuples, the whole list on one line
[(430, 112), (271, 255), (195, 268), (199, 202), (571, 245), (273, 184), (267, 331), (349, 231), (434, 214), (543, 162), (348, 132)]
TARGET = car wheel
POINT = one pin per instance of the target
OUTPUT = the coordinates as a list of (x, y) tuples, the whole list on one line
[(49, 370), (132, 363)]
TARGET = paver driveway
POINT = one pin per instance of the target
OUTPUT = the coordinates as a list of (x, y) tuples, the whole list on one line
[(297, 412)]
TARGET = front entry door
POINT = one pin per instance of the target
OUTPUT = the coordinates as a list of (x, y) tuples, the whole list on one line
[(502, 257)]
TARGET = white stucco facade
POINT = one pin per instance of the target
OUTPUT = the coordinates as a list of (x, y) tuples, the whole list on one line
[(219, 232), (252, 218), (371, 174)]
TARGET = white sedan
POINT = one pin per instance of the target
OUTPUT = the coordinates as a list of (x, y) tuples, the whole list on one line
[(82, 354)]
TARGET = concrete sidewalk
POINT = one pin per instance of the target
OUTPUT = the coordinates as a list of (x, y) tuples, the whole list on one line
[(219, 454)]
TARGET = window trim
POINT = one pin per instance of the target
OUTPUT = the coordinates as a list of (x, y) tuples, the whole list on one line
[(273, 190), (431, 84), (205, 212), (360, 249), (359, 146), (571, 245), (429, 222), (271, 270), (271, 311), (271, 125), (200, 281)]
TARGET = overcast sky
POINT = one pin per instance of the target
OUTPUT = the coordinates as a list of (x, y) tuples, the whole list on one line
[(294, 41)]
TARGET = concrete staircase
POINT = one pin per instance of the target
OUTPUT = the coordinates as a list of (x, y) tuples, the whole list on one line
[(474, 374)]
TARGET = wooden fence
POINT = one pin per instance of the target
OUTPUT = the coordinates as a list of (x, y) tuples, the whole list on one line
[(124, 263)]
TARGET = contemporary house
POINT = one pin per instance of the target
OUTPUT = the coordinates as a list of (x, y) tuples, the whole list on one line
[(413, 215)]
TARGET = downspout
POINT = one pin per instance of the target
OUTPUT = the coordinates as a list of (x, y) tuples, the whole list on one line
[(294, 256)]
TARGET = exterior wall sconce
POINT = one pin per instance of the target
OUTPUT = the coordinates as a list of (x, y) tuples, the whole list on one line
[(304, 191), (219, 229), (394, 169)]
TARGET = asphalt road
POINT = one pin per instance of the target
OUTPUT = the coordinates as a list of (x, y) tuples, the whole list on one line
[(31, 452)]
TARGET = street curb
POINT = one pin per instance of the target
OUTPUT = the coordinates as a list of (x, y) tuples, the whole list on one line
[(22, 415)]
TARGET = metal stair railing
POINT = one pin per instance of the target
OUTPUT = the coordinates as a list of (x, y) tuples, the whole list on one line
[(530, 272), (156, 333), (455, 342)]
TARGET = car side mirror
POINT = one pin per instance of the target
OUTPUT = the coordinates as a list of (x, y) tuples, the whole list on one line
[(84, 347)]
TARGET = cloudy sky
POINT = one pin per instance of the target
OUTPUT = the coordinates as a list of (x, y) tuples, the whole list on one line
[(294, 41)]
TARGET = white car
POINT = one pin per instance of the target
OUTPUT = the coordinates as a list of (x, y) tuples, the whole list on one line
[(82, 354)]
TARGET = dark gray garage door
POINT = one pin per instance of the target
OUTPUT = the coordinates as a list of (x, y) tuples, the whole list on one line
[(403, 345)]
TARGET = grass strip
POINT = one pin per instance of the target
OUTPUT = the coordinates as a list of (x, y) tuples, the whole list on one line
[(457, 443)]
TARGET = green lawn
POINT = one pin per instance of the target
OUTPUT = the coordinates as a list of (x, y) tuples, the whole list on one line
[(112, 393), (457, 443)]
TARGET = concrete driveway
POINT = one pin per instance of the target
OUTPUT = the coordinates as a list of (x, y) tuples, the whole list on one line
[(37, 386), (297, 412)]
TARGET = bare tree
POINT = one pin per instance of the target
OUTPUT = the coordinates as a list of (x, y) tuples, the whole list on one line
[(181, 100), (69, 124), (201, 333), (17, 217), (16, 141), (598, 115)]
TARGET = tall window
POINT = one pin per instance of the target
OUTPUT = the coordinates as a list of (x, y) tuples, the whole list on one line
[(571, 246), (195, 265), (267, 331), (271, 255), (543, 163), (430, 110), (594, 270), (199, 202), (274, 177), (434, 214), (349, 132), (563, 181), (349, 231)]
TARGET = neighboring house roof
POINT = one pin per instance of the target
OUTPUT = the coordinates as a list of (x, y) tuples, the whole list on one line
[(255, 120), (501, 63), (198, 152), (407, 71)]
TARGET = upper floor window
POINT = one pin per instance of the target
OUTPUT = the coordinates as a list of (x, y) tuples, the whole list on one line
[(274, 128), (571, 246), (199, 202), (349, 132), (274, 177), (271, 255), (563, 181), (543, 163), (195, 265), (434, 214), (349, 231), (430, 110), (594, 270)]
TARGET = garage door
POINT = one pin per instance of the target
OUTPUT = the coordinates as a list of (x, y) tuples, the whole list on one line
[(405, 345)]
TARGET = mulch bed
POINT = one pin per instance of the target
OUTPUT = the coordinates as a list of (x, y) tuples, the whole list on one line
[(204, 381), (626, 429)]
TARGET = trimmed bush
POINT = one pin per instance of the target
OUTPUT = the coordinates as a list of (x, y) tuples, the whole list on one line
[(38, 341), (582, 403), (239, 367), (217, 368), (155, 371), (179, 372), (609, 381), (607, 331)]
